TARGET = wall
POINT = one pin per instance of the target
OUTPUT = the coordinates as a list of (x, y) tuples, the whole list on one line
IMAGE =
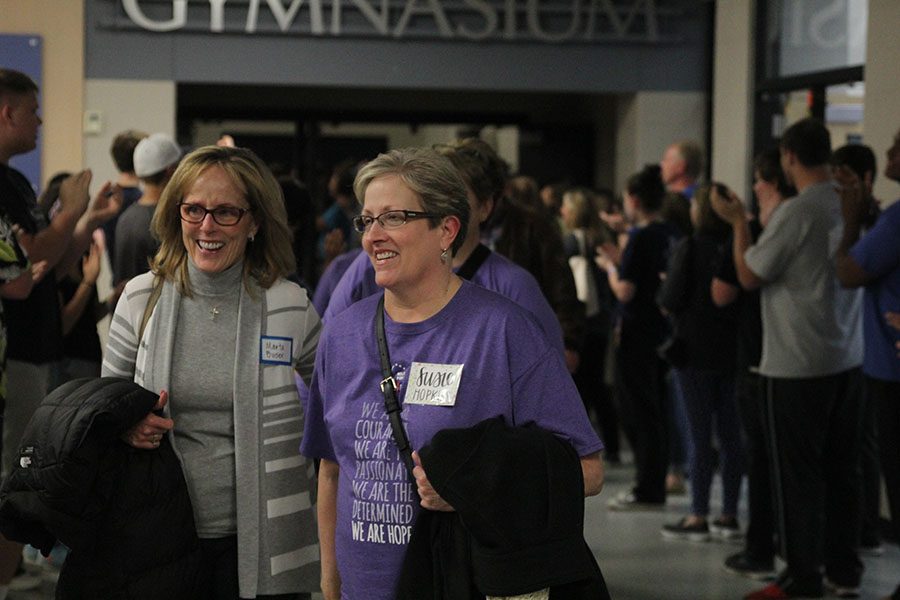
[(732, 90), (63, 73), (649, 121), (125, 104), (503, 139), (881, 120)]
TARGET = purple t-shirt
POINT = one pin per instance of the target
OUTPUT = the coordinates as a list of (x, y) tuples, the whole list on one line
[(497, 273), (331, 277), (455, 369), (878, 253)]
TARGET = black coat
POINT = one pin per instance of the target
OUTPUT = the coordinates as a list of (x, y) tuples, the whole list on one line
[(518, 495), (124, 513)]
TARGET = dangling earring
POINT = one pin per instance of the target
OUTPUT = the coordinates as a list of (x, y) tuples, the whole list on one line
[(444, 255), (251, 236)]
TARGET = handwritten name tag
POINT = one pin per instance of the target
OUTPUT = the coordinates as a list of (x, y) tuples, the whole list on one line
[(275, 350), (432, 384)]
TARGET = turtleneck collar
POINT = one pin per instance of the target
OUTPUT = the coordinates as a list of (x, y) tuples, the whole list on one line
[(215, 284)]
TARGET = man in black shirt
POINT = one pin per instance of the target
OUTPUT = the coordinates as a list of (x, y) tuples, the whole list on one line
[(35, 330)]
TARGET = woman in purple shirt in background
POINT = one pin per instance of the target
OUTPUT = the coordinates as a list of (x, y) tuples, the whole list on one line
[(460, 353)]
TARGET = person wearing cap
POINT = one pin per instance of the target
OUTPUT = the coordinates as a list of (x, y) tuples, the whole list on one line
[(155, 159)]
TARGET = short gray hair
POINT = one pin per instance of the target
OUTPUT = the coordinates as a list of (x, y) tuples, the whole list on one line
[(430, 175)]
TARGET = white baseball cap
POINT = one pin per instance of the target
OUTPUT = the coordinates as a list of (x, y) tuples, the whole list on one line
[(154, 153)]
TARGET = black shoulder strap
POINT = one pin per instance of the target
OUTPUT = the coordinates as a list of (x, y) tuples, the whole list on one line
[(389, 389), (475, 260)]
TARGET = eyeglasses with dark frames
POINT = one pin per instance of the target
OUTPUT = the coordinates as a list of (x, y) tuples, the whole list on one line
[(223, 215), (390, 219)]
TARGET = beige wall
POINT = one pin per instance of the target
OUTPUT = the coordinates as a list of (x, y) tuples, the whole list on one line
[(732, 106), (60, 23), (125, 104), (649, 121), (881, 119)]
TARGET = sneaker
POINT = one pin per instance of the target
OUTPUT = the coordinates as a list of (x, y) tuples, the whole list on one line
[(24, 581), (627, 501), (698, 532), (894, 596), (742, 564), (876, 549), (774, 591), (840, 590), (726, 529)]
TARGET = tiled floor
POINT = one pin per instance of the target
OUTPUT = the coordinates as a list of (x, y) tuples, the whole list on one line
[(639, 565)]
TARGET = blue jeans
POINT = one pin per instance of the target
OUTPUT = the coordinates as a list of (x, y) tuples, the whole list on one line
[(708, 400), (680, 449)]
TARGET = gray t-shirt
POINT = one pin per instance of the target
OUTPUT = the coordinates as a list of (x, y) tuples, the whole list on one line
[(812, 326), (202, 397)]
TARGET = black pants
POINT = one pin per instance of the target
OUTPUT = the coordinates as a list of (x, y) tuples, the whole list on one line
[(219, 568), (814, 434), (591, 386), (760, 537), (871, 473), (641, 377), (886, 396)]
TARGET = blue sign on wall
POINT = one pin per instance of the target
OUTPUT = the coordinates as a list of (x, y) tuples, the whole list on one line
[(23, 53)]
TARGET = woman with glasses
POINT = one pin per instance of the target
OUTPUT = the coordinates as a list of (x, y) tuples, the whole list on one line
[(483, 174), (218, 331), (458, 353)]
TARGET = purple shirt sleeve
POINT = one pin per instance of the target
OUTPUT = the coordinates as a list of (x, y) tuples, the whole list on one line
[(878, 252)]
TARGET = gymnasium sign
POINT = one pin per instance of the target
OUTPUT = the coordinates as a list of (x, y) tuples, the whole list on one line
[(549, 21)]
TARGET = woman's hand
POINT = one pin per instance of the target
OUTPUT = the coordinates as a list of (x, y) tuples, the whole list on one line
[(90, 266), (148, 433), (38, 270), (430, 498), (24, 239), (614, 220), (107, 203), (729, 208)]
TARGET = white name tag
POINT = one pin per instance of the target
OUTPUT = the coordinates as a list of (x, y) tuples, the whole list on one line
[(275, 350), (432, 384)]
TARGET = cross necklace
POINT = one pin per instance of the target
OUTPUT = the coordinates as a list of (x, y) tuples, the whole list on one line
[(213, 313)]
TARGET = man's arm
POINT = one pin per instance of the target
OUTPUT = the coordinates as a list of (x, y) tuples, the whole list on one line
[(622, 289), (105, 206), (850, 274), (51, 243), (722, 292), (731, 209)]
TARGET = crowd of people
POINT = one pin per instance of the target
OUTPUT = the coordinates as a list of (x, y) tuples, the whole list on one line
[(442, 335)]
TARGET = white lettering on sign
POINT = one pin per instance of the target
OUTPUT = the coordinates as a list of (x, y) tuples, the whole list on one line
[(179, 16), (506, 20)]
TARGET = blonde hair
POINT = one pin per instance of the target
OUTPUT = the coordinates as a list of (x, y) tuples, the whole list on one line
[(584, 215), (267, 258), (430, 175)]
